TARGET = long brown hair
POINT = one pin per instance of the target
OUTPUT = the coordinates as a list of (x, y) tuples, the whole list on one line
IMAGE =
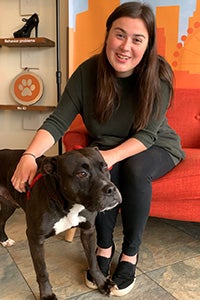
[(148, 72)]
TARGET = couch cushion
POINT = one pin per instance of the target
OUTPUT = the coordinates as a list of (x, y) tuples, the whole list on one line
[(184, 116), (74, 140), (177, 194), (76, 136)]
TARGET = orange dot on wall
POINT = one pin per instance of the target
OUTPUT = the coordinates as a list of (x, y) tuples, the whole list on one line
[(184, 38), (179, 45), (174, 64), (176, 54), (197, 24), (190, 30)]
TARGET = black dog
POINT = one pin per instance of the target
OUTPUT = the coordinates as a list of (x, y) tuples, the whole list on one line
[(68, 191)]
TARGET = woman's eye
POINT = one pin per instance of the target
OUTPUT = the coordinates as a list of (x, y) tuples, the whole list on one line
[(120, 36), (137, 41)]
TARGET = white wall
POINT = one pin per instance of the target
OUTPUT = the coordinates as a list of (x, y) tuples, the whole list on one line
[(18, 127)]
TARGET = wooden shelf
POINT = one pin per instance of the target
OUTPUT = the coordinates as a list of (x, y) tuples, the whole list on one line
[(25, 108), (27, 42)]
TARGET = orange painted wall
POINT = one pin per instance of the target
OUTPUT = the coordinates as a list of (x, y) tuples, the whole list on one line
[(90, 31), (184, 57)]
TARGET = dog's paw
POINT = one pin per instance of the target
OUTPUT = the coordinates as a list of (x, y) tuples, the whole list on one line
[(8, 243), (50, 297), (106, 288)]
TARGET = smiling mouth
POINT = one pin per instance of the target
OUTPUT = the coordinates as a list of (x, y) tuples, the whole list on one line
[(123, 57)]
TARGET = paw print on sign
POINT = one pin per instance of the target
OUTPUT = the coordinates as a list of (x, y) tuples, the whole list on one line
[(26, 87)]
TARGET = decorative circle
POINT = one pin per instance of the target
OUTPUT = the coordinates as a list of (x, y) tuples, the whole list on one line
[(27, 88)]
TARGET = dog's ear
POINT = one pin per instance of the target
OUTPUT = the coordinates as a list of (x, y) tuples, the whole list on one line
[(49, 165)]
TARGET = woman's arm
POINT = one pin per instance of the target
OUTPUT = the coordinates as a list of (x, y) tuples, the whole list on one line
[(41, 142), (128, 148), (27, 167)]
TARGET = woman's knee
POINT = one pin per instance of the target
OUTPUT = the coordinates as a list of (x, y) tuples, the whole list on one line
[(134, 171)]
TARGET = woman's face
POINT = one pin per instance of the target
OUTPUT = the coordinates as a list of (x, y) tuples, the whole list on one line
[(126, 44)]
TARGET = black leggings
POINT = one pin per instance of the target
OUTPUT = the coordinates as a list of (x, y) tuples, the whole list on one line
[(133, 177)]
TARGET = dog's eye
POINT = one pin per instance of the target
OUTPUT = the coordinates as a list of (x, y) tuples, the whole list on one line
[(82, 174), (105, 167)]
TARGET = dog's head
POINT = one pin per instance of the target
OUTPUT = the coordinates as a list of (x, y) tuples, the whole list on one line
[(84, 178)]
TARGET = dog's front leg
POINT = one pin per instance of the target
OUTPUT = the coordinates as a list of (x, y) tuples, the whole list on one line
[(37, 252), (88, 239)]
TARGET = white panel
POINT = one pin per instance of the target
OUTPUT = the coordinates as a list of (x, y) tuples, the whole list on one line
[(30, 58), (29, 7), (32, 120)]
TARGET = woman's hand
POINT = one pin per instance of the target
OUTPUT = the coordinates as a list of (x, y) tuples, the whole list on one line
[(128, 148), (24, 172), (27, 167), (108, 157)]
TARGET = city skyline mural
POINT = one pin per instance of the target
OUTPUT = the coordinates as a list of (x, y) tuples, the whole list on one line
[(178, 34)]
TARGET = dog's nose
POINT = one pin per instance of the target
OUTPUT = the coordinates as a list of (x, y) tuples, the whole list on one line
[(109, 189)]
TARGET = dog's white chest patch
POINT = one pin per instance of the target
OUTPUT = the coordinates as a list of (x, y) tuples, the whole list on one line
[(71, 220)]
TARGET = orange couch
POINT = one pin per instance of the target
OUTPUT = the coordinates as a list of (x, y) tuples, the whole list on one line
[(177, 194)]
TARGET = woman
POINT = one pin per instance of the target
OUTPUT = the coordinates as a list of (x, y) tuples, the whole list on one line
[(123, 95)]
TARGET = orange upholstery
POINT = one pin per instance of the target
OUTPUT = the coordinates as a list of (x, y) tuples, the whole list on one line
[(184, 117), (177, 194), (76, 136)]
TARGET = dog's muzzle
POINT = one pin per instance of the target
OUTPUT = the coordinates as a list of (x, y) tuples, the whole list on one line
[(113, 197)]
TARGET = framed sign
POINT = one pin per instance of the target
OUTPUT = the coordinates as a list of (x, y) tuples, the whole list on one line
[(27, 88)]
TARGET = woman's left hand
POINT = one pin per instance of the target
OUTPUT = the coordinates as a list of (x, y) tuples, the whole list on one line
[(130, 147), (108, 157)]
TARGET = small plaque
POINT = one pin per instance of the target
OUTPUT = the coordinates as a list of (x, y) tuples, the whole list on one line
[(27, 88)]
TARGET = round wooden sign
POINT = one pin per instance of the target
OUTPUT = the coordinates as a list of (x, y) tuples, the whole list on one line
[(27, 88)]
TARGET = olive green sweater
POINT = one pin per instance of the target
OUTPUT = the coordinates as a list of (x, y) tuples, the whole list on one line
[(78, 97)]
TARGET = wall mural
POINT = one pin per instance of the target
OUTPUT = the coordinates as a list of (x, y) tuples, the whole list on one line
[(178, 32)]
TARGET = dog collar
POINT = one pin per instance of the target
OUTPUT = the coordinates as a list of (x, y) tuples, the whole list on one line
[(35, 179)]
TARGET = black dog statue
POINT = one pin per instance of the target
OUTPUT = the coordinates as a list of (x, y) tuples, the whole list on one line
[(68, 190)]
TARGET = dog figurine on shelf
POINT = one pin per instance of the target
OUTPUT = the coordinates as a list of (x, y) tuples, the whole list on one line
[(68, 190)]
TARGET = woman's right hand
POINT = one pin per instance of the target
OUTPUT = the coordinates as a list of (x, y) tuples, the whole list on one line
[(24, 172)]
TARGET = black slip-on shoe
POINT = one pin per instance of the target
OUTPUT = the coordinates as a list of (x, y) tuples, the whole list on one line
[(104, 265), (124, 278)]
